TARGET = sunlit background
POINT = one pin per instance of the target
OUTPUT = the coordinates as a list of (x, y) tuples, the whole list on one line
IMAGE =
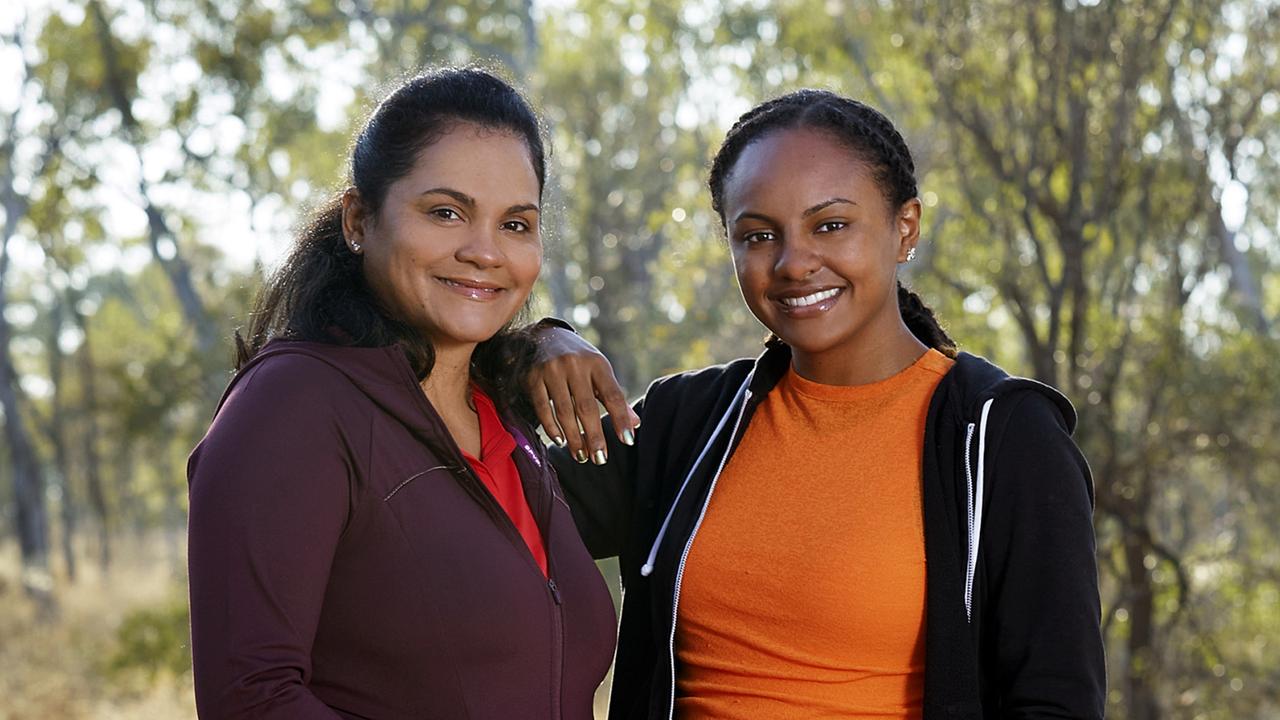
[(1102, 203)]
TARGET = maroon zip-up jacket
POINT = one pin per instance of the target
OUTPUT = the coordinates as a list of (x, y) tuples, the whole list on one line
[(345, 562)]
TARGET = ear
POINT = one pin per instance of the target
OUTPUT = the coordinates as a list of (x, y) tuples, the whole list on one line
[(907, 225), (354, 218)]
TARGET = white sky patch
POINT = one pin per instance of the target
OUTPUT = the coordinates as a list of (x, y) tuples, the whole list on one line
[(1235, 205)]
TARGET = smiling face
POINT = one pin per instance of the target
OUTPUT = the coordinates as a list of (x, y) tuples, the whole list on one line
[(455, 248), (816, 246)]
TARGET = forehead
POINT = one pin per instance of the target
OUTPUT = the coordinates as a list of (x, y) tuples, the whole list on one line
[(479, 161), (798, 164)]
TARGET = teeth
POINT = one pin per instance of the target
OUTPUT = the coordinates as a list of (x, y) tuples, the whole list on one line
[(813, 299)]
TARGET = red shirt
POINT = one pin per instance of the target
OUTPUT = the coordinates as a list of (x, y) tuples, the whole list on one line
[(498, 472)]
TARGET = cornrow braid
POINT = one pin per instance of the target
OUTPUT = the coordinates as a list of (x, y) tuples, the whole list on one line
[(868, 133)]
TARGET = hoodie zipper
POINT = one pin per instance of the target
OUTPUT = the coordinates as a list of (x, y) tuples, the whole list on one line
[(557, 647), (688, 545), (463, 471)]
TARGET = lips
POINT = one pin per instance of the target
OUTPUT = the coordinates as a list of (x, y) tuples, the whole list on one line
[(472, 289)]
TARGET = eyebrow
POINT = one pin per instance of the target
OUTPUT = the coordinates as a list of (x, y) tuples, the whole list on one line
[(521, 208), (752, 216), (461, 197), (824, 205), (748, 215), (470, 202)]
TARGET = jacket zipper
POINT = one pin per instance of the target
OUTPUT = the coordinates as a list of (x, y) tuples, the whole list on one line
[(468, 474), (684, 555), (557, 647)]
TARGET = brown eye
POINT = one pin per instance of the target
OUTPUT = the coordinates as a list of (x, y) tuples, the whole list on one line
[(445, 213), (831, 226), (757, 237)]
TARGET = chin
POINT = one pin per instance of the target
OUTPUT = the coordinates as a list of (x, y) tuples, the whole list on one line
[(808, 343)]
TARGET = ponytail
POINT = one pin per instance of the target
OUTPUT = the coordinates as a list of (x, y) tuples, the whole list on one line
[(922, 323)]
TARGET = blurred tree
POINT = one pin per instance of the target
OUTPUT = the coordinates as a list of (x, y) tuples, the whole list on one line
[(17, 171)]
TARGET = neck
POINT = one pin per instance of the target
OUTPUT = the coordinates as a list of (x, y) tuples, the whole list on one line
[(448, 386), (882, 354)]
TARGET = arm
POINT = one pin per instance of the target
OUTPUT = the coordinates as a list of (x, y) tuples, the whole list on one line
[(601, 496), (569, 376), (269, 500), (594, 465), (1044, 613)]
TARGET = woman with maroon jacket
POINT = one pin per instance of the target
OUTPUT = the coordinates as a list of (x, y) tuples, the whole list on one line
[(375, 532)]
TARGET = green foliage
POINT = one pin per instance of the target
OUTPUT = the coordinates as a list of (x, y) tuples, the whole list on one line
[(151, 642)]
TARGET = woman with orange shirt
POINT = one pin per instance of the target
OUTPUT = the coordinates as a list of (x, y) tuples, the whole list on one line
[(862, 522)]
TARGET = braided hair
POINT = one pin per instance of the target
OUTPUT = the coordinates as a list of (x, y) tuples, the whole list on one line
[(865, 131)]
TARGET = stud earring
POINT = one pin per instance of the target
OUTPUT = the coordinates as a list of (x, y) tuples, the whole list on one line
[(911, 254), (355, 248)]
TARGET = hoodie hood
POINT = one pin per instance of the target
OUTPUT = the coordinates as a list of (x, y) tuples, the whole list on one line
[(978, 380), (383, 375)]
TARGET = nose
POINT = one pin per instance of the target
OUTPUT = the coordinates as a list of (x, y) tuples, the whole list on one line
[(797, 258), (480, 249)]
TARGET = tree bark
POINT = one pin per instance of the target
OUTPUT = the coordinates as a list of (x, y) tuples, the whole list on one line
[(92, 461), (58, 439), (28, 485), (161, 239)]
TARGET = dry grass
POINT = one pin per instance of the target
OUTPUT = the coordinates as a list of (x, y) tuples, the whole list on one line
[(57, 667)]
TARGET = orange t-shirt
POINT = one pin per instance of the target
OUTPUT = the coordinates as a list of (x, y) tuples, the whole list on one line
[(804, 592)]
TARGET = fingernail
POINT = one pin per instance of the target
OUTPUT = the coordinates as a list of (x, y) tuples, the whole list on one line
[(581, 456), (559, 441), (598, 457), (628, 437)]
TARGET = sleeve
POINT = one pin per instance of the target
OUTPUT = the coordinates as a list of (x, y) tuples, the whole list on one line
[(270, 489), (601, 497), (1044, 617)]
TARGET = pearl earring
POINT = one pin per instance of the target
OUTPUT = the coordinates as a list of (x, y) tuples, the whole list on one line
[(911, 254), (355, 247)]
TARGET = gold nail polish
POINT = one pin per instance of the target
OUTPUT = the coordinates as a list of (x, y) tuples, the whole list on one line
[(598, 457), (581, 457), (559, 441), (628, 437)]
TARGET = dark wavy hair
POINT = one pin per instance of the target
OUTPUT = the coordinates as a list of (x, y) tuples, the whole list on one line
[(865, 131), (319, 292)]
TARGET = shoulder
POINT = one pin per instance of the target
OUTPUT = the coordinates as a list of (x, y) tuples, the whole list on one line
[(977, 385), (285, 410), (287, 392), (291, 377)]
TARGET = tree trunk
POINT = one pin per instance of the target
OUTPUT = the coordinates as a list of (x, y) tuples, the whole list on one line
[(1138, 687), (92, 461), (28, 485), (161, 239), (57, 437)]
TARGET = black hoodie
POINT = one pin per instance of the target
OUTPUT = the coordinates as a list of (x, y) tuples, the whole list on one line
[(1012, 614)]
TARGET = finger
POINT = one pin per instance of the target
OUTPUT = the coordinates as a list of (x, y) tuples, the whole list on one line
[(562, 408), (588, 412), (546, 415), (609, 393)]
